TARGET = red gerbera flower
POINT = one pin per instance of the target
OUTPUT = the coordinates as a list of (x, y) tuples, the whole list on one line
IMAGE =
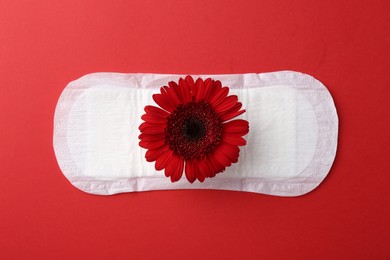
[(191, 131)]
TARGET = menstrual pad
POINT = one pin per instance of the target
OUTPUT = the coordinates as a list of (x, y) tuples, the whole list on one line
[(290, 147)]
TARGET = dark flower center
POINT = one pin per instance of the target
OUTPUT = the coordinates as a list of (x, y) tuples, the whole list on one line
[(193, 130)]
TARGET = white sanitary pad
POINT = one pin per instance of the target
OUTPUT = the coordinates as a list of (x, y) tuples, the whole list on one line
[(290, 147)]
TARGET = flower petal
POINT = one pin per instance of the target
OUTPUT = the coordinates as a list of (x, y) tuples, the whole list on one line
[(227, 104), (216, 87), (155, 111), (191, 85), (234, 139), (238, 126), (174, 169), (164, 102), (200, 175), (163, 160), (204, 170), (231, 151), (217, 166), (234, 108), (212, 170), (177, 91), (190, 171), (185, 92), (231, 114), (222, 158), (149, 128), (199, 89), (170, 94), (219, 96), (153, 119), (147, 144), (208, 89), (153, 154), (178, 170), (151, 137)]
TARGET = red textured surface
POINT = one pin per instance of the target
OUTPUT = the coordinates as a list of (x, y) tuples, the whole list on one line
[(46, 44)]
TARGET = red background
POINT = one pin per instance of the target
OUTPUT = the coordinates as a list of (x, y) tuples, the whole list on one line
[(46, 44)]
